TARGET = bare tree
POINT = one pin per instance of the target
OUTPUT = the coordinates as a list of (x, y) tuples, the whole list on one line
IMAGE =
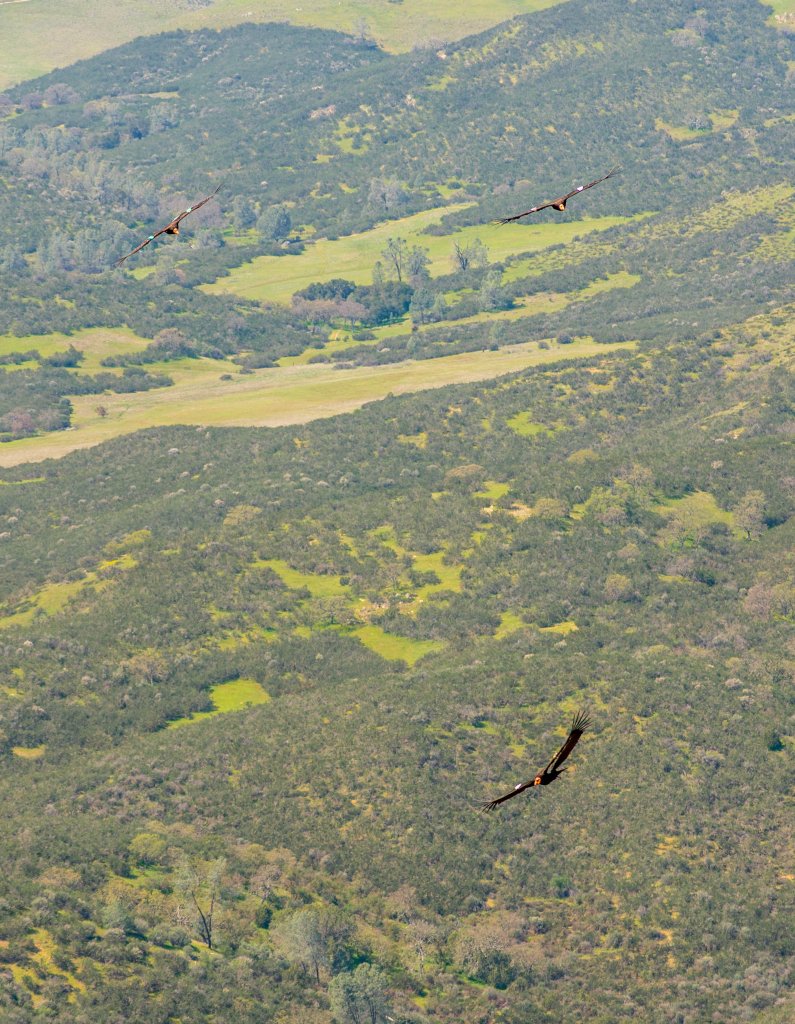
[(396, 253), (385, 193), (200, 884), (475, 254)]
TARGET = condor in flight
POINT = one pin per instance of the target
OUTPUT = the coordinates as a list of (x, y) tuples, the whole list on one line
[(553, 770), (559, 204), (170, 229)]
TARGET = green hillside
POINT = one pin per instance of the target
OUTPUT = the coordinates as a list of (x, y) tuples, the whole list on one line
[(426, 592), (320, 522), (51, 34), (414, 151)]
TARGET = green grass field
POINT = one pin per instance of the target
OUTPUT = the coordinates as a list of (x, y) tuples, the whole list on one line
[(276, 278), (395, 648), (524, 425), (54, 597), (275, 397), (39, 35), (236, 695), (94, 342), (318, 586), (697, 511)]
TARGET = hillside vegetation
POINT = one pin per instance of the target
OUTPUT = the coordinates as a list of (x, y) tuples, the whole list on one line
[(49, 33), (425, 591), (372, 147), (262, 663)]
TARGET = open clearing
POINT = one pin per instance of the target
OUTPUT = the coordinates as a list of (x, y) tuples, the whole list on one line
[(94, 342), (276, 397), (276, 278), (236, 695), (39, 35)]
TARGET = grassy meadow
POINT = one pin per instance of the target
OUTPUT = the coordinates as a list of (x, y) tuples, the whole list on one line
[(276, 278), (96, 343), (236, 695), (274, 397)]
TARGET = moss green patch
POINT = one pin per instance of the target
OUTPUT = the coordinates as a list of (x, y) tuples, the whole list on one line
[(318, 586), (524, 426), (396, 648), (783, 12), (735, 207), (50, 599), (510, 622), (46, 947), (418, 440), (449, 575), (236, 695), (493, 490), (338, 341), (135, 539), (29, 753), (563, 628), (53, 597), (697, 510)]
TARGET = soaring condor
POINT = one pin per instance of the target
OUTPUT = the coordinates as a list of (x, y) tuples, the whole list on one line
[(553, 770), (560, 204), (170, 229)]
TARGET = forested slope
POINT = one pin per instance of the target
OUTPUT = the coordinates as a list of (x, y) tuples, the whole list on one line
[(424, 591), (256, 684)]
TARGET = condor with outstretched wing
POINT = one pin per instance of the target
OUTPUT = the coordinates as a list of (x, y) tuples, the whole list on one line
[(553, 770), (560, 204), (170, 229)]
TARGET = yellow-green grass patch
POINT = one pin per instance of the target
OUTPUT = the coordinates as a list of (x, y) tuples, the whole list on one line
[(493, 490), (54, 597), (50, 599), (783, 11), (393, 647), (719, 121), (510, 622), (276, 397), (697, 511), (236, 695), (525, 306), (418, 440), (523, 425), (738, 206), (276, 278), (29, 753), (94, 342), (563, 628), (338, 341), (318, 586), (46, 34), (574, 236), (449, 575), (236, 639), (46, 947)]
